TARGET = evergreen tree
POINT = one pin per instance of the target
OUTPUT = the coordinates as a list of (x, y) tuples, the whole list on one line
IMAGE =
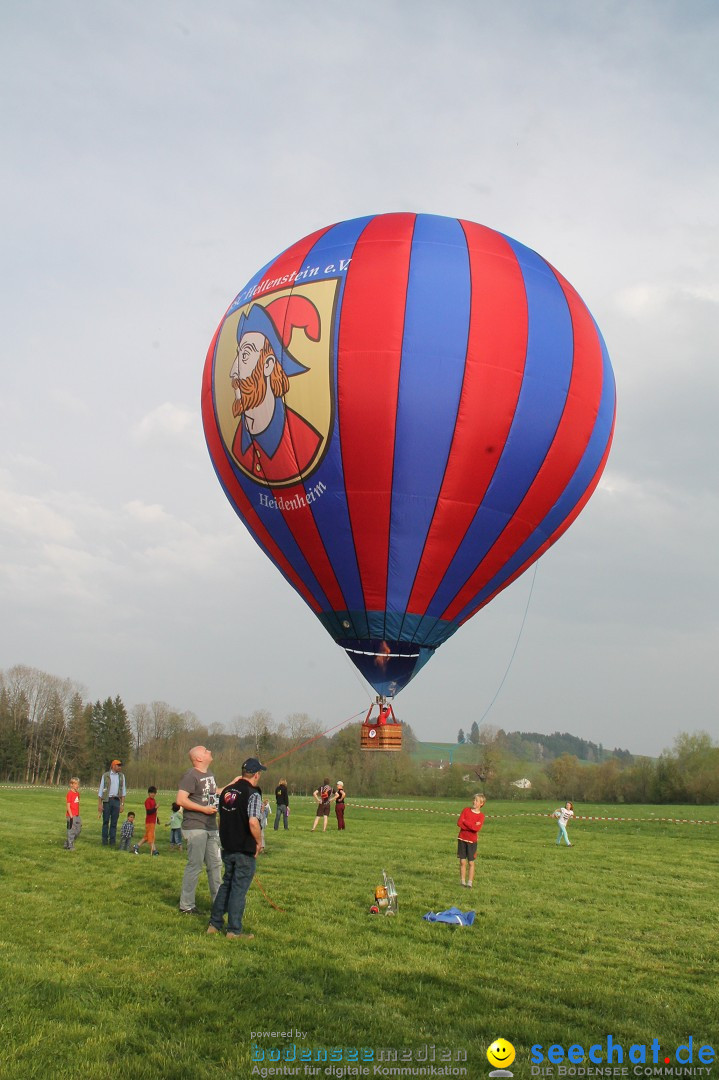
[(461, 737), (121, 730), (110, 732), (474, 733)]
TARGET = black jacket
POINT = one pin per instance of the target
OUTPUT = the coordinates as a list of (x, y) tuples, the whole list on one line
[(235, 833)]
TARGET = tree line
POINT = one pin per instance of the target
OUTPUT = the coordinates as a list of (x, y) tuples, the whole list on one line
[(48, 732), (533, 746)]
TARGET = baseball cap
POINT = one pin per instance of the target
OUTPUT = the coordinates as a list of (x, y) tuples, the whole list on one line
[(252, 765), (115, 762)]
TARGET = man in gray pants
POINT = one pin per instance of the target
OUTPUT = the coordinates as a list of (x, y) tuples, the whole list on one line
[(197, 795)]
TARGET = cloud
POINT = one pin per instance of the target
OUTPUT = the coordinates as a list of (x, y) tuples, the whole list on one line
[(147, 514), (167, 421), (27, 518), (648, 299)]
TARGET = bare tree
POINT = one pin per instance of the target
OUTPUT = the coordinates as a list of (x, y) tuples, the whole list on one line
[(140, 722), (258, 727), (159, 719), (40, 705), (300, 726), (490, 745)]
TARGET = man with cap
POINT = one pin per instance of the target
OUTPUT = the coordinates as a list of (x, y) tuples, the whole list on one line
[(111, 801), (241, 840)]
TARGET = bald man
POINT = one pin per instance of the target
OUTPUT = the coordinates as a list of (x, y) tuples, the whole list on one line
[(197, 797)]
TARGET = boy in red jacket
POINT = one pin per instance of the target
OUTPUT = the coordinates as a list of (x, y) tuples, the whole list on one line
[(151, 820), (470, 821), (72, 814)]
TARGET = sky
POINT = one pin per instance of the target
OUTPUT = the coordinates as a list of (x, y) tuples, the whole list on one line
[(157, 155)]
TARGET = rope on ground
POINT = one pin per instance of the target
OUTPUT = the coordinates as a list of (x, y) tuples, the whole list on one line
[(270, 902), (538, 813), (444, 813)]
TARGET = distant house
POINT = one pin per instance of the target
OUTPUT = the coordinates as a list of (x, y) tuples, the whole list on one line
[(523, 783)]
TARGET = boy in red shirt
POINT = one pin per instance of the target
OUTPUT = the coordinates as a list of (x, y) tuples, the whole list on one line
[(151, 820), (470, 821), (72, 814)]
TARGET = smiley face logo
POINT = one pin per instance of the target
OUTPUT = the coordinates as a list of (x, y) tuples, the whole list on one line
[(501, 1054)]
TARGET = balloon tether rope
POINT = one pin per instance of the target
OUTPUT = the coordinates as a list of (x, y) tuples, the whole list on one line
[(314, 738), (516, 646)]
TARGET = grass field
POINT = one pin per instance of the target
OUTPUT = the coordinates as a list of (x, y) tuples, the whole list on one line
[(102, 978)]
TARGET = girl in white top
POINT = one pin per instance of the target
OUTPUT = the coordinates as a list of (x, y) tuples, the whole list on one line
[(564, 816)]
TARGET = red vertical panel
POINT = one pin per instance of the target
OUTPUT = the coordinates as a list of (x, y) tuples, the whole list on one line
[(496, 350), (569, 443), (368, 364)]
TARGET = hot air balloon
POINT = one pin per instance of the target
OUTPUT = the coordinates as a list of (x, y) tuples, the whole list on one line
[(406, 411)]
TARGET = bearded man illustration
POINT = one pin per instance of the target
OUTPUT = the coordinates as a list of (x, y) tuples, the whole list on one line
[(272, 442)]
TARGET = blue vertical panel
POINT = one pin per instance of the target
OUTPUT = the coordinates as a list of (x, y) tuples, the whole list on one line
[(433, 357)]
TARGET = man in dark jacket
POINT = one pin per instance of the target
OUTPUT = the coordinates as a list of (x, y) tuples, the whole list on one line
[(241, 840)]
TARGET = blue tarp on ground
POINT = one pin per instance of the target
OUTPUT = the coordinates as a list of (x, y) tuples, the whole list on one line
[(452, 915)]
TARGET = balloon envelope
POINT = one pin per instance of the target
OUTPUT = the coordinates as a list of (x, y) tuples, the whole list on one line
[(406, 411)]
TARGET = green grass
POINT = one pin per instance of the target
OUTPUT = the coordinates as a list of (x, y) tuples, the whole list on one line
[(102, 977)]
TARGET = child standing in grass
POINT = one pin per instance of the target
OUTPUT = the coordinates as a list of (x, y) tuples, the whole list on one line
[(470, 821), (264, 815), (151, 821), (175, 826), (128, 828), (73, 820), (564, 815)]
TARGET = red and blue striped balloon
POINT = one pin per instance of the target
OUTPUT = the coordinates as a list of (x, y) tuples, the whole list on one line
[(406, 411)]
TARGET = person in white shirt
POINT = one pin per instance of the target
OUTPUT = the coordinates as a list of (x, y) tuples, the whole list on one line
[(564, 816)]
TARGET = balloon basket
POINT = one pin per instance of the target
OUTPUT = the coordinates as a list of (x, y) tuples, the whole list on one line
[(381, 737)]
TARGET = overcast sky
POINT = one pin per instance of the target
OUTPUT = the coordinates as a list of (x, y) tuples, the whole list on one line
[(157, 155)]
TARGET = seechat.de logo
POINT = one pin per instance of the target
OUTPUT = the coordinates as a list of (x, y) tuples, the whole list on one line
[(648, 1059)]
